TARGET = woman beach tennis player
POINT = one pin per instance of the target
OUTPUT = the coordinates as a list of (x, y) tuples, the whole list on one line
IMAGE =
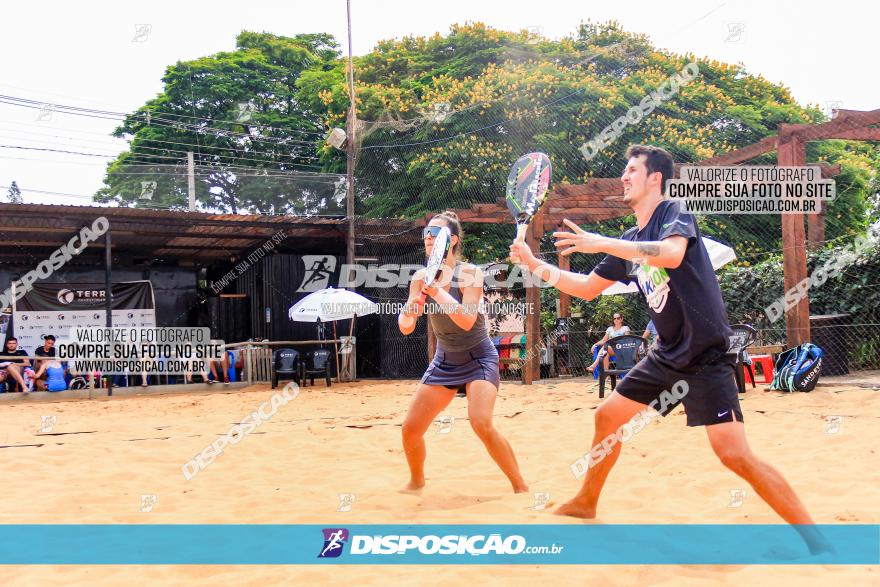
[(465, 357)]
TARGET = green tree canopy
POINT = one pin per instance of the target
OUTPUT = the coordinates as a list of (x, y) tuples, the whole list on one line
[(239, 112)]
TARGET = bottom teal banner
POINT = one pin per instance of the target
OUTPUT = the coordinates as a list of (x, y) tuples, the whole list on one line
[(592, 544)]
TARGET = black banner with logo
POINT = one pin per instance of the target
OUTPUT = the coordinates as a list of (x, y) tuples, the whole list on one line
[(60, 297), (52, 308)]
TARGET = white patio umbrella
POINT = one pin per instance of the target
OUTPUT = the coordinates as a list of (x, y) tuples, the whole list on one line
[(719, 254), (330, 305)]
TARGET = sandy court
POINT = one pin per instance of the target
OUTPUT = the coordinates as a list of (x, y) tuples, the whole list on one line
[(101, 456)]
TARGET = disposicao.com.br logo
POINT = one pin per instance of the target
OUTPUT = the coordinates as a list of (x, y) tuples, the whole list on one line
[(334, 540)]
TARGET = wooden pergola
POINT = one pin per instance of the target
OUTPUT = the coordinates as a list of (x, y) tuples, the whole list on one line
[(602, 199)]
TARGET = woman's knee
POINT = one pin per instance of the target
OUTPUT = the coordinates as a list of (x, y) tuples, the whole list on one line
[(482, 425), (411, 430)]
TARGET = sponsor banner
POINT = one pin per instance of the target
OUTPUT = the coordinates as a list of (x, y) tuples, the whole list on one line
[(54, 307), (69, 297), (216, 544)]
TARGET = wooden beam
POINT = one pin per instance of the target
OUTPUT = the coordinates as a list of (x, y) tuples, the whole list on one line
[(860, 134), (828, 171), (792, 152), (595, 186), (853, 120), (140, 231), (841, 113)]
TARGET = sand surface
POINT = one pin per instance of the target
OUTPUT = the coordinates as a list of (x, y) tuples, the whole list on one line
[(102, 455)]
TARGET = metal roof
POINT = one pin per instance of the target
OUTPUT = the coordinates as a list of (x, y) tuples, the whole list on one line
[(30, 232)]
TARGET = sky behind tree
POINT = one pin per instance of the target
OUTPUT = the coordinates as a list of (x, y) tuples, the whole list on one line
[(112, 56)]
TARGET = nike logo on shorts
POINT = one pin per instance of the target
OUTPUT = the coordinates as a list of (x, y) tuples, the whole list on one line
[(722, 414)]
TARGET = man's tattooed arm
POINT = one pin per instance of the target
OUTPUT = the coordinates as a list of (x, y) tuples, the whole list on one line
[(648, 249)]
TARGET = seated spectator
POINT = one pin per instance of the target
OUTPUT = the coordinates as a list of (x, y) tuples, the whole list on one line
[(224, 365), (47, 349), (55, 376), (19, 369), (650, 333), (189, 373), (617, 328), (88, 378)]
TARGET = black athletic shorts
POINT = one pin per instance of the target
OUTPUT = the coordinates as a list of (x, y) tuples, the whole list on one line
[(711, 395)]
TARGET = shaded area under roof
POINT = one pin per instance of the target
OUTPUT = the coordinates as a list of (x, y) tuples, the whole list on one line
[(30, 232)]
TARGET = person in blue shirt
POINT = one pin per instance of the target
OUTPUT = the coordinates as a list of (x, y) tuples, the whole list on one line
[(55, 377), (650, 333)]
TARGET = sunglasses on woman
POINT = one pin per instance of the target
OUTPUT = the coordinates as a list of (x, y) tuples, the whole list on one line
[(432, 230)]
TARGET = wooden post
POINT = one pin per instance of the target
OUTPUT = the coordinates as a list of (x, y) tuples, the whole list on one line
[(532, 366), (336, 353), (792, 152), (564, 262), (816, 227)]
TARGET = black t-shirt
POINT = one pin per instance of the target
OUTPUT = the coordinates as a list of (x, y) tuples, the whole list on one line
[(15, 353), (42, 352), (685, 303)]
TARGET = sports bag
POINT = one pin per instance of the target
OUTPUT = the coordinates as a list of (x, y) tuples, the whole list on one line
[(798, 369)]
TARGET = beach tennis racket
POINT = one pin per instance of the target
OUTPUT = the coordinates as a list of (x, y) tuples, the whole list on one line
[(435, 260), (527, 186)]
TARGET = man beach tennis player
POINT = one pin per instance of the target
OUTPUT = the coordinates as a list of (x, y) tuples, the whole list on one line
[(465, 357), (665, 255)]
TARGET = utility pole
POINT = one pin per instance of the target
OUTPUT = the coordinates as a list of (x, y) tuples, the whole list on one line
[(191, 180), (350, 148)]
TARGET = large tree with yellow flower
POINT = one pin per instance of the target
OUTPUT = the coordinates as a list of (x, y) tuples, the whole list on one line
[(443, 118)]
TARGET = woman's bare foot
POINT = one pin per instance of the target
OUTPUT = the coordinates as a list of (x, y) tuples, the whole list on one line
[(414, 486), (521, 487), (575, 510)]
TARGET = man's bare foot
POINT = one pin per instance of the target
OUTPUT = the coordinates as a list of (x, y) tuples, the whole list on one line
[(521, 487), (575, 510), (816, 542)]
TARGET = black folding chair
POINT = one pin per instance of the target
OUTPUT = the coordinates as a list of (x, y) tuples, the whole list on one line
[(286, 362), (743, 337), (317, 363), (627, 349)]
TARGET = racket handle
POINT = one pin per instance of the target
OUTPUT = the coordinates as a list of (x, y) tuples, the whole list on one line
[(520, 238), (421, 301), (407, 319)]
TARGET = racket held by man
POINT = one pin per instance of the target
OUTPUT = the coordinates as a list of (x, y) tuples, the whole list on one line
[(527, 186)]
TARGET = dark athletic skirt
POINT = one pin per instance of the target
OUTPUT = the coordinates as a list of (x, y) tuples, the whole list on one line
[(456, 368)]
